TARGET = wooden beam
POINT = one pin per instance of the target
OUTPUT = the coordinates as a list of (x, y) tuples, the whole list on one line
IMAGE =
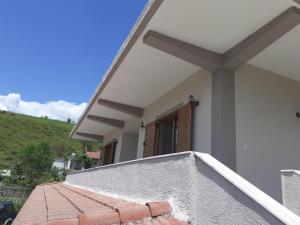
[(91, 136), (107, 121), (128, 109), (191, 53), (261, 39)]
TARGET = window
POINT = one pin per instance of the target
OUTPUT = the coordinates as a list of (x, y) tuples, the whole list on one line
[(109, 153), (170, 134), (166, 135)]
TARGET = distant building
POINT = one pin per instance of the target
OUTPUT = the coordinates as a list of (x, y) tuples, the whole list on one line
[(68, 164), (95, 156)]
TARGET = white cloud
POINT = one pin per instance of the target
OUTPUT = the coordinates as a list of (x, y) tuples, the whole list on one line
[(60, 110)]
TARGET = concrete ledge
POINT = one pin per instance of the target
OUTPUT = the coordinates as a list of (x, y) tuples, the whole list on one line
[(153, 158), (200, 189), (290, 185), (286, 172)]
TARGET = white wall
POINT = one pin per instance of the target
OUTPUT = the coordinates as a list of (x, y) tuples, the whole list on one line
[(126, 148), (266, 104), (290, 183), (129, 147), (199, 85), (199, 188), (59, 163), (117, 135)]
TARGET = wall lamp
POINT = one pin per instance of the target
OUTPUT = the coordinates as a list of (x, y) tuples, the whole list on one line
[(193, 101)]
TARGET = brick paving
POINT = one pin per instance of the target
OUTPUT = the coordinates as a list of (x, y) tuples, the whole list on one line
[(61, 204)]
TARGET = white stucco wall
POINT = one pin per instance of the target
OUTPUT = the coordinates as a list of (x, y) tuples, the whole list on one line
[(200, 189), (129, 147), (59, 163), (117, 135), (126, 148), (199, 85), (267, 129), (290, 182)]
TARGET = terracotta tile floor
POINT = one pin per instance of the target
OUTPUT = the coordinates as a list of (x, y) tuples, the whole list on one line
[(61, 204)]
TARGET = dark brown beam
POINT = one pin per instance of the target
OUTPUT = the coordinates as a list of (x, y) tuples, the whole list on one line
[(91, 136), (107, 121), (191, 53), (261, 39), (128, 109)]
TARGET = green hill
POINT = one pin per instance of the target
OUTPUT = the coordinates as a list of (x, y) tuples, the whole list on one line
[(17, 131)]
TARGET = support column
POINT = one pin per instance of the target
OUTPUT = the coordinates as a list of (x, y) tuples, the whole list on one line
[(223, 136)]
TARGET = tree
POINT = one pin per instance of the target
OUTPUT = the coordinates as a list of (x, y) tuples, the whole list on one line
[(36, 161), (69, 120), (87, 145)]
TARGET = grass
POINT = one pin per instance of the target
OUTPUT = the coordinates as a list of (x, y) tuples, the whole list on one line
[(17, 131)]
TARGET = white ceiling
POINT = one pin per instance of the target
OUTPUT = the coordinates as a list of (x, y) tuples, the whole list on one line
[(146, 73), (282, 57)]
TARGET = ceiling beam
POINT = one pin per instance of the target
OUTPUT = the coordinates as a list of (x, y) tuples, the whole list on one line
[(261, 39), (91, 136), (238, 54), (128, 109), (191, 53), (107, 121)]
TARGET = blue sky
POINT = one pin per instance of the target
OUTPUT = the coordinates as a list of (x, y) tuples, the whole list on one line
[(59, 49)]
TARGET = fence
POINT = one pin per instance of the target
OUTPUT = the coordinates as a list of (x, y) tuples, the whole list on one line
[(16, 194), (14, 191)]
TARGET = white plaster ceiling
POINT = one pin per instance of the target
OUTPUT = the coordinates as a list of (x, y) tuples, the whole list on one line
[(282, 57), (146, 73)]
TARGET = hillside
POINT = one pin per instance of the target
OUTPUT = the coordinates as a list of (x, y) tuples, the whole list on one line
[(18, 131)]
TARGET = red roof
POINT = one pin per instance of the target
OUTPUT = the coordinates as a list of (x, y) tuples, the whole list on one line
[(93, 155), (61, 204)]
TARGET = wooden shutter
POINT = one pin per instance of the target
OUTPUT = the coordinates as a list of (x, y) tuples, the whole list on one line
[(109, 153), (149, 144), (184, 128), (102, 156)]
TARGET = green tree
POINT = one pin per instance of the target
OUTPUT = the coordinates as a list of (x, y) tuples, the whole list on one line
[(87, 145), (86, 162), (36, 161)]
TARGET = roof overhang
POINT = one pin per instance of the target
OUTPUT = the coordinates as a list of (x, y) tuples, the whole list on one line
[(225, 33)]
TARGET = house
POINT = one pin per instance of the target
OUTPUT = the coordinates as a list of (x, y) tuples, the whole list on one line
[(205, 76), (60, 163), (95, 156), (199, 108), (70, 163)]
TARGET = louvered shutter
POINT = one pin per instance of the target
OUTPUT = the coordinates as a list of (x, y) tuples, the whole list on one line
[(109, 153), (103, 151), (184, 128), (149, 143)]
